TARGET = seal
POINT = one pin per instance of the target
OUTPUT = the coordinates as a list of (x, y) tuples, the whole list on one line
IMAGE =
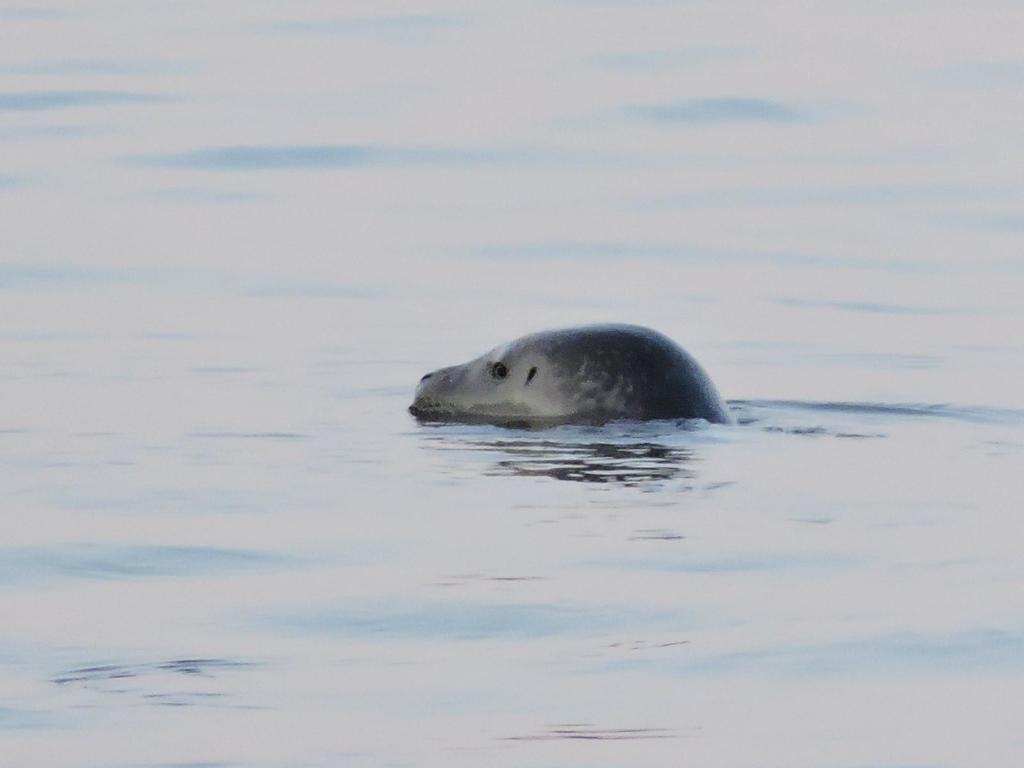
[(586, 375)]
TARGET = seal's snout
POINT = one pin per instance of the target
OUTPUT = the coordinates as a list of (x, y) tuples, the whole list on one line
[(432, 385), (438, 390), (432, 392)]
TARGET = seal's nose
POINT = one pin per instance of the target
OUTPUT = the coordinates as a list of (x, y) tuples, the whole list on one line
[(428, 383)]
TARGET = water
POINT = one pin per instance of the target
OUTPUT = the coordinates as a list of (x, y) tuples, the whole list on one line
[(235, 235)]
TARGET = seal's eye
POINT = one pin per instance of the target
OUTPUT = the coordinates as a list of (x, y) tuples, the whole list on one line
[(499, 370), (531, 374)]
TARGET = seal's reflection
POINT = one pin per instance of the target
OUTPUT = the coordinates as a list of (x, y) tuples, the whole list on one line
[(628, 464)]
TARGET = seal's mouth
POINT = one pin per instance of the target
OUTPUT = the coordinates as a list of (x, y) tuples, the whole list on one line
[(420, 412), (429, 406), (433, 411)]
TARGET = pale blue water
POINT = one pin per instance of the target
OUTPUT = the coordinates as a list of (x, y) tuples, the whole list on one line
[(234, 235)]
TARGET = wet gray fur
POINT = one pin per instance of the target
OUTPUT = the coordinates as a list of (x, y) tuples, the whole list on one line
[(590, 374)]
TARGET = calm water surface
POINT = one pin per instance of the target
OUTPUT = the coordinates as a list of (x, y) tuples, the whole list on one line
[(234, 235)]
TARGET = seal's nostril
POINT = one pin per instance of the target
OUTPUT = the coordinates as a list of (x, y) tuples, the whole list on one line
[(426, 376)]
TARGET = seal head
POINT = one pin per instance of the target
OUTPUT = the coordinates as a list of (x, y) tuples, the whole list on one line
[(588, 375)]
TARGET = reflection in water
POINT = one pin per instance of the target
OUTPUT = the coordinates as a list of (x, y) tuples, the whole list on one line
[(591, 732), (639, 454), (106, 672), (159, 683), (626, 463)]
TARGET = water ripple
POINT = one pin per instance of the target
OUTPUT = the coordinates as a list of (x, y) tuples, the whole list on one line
[(973, 414), (20, 565), (32, 101), (878, 308), (898, 654), (720, 110), (159, 683), (396, 26), (284, 157), (402, 619)]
